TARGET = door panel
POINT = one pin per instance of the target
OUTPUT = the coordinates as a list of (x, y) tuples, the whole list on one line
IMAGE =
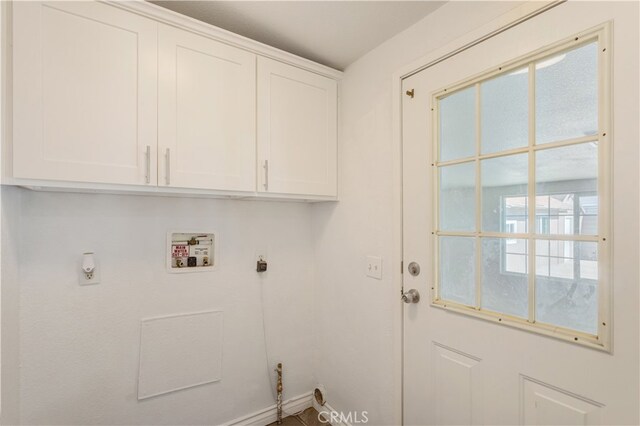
[(297, 136), (84, 93), (454, 361), (544, 404), (458, 387), (207, 120)]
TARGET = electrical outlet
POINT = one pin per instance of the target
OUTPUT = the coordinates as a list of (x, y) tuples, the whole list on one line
[(89, 278), (373, 267)]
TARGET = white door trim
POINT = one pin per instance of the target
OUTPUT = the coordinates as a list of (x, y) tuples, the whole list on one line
[(494, 27)]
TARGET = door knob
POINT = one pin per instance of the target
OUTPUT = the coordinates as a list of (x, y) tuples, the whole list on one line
[(411, 296)]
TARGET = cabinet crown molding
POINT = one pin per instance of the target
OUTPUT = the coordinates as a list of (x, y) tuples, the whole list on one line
[(178, 20)]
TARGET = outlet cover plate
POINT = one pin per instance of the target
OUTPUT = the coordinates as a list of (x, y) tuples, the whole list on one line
[(95, 278)]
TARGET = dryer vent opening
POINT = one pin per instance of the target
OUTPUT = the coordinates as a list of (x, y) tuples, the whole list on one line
[(319, 395)]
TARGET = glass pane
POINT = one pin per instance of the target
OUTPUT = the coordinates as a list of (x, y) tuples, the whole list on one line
[(542, 247), (504, 276), (558, 262), (504, 112), (504, 193), (457, 270), (566, 284), (566, 190), (588, 260), (458, 197), (567, 95), (588, 214), (458, 125)]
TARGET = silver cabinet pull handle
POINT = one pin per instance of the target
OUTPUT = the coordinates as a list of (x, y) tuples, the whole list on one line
[(266, 175), (168, 164), (147, 177)]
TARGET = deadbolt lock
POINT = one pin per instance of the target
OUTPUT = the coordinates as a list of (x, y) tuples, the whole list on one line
[(414, 269)]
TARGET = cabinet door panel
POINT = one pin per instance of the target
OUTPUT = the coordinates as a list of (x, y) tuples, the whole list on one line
[(207, 113), (297, 130), (84, 93)]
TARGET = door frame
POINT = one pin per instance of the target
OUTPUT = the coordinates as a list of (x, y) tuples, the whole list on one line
[(502, 23)]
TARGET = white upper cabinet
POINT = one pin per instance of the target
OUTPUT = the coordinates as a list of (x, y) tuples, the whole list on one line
[(84, 93), (207, 113), (297, 131), (114, 96)]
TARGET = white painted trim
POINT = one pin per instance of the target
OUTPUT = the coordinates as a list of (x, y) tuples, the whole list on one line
[(269, 415), (601, 340), (6, 54), (2, 115), (169, 17), (499, 25), (162, 191), (492, 28), (328, 408), (397, 264)]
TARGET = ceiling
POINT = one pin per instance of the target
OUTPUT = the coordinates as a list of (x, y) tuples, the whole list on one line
[(333, 33)]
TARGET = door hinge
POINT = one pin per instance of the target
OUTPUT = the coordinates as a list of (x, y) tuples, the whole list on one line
[(402, 266), (410, 93)]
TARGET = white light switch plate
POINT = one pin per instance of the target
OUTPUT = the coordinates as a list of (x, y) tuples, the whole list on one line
[(373, 267)]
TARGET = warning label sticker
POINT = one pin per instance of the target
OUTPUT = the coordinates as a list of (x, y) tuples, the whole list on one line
[(199, 250), (180, 250)]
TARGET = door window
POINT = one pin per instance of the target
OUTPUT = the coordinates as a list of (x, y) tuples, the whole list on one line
[(531, 130)]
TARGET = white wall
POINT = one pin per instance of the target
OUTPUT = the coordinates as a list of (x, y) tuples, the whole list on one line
[(10, 374), (78, 345), (357, 317)]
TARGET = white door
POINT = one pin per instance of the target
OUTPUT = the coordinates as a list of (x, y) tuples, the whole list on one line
[(525, 115), (207, 113), (84, 93), (297, 130)]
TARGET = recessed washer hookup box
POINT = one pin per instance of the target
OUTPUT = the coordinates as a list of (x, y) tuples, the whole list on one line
[(191, 251)]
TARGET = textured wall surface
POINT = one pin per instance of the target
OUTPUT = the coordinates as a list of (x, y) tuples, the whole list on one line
[(10, 374), (79, 345), (329, 323), (356, 317)]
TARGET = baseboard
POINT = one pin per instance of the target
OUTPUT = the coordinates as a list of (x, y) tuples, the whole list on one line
[(269, 415), (329, 409), (293, 405)]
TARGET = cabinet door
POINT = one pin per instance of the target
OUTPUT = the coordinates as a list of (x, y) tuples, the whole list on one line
[(297, 130), (207, 113), (84, 93)]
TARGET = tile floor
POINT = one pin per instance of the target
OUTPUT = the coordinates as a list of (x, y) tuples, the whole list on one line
[(308, 417)]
